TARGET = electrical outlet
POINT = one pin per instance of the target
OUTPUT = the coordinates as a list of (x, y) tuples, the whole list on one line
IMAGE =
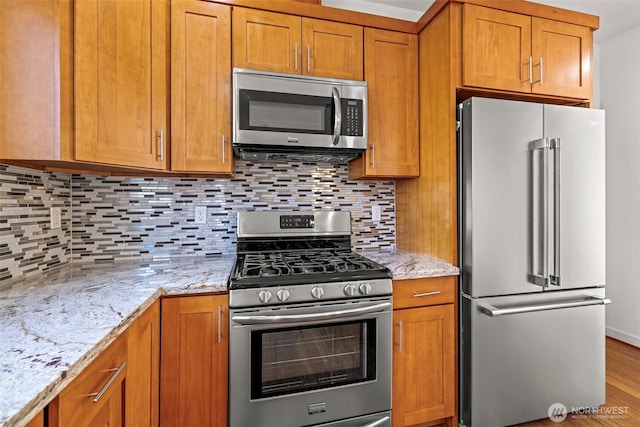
[(376, 212), (201, 215), (55, 218)]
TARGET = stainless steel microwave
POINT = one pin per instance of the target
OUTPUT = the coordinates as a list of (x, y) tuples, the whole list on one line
[(280, 116)]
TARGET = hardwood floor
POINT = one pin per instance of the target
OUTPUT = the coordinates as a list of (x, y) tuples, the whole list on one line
[(623, 392)]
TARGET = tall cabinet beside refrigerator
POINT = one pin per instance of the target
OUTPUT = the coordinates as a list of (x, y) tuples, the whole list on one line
[(532, 257)]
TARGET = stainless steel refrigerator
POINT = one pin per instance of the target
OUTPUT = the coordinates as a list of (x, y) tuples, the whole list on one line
[(532, 257)]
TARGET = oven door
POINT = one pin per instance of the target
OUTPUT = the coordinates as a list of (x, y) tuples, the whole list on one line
[(304, 365)]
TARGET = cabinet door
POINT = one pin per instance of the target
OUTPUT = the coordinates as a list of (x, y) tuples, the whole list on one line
[(143, 363), (37, 421), (96, 396), (266, 41), (562, 54), (194, 361), (332, 49), (200, 87), (496, 49), (391, 71), (423, 365), (121, 82)]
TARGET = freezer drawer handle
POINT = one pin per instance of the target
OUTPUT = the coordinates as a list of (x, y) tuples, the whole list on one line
[(492, 311), (378, 423)]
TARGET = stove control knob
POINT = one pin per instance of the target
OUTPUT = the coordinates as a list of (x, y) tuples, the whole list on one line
[(317, 292), (264, 296), (283, 295), (350, 290), (365, 289)]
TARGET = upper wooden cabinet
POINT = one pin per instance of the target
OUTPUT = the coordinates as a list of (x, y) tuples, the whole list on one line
[(194, 361), (391, 72), (277, 42), (514, 52), (200, 87), (121, 80)]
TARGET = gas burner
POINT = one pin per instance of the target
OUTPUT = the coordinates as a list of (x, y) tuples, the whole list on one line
[(292, 258)]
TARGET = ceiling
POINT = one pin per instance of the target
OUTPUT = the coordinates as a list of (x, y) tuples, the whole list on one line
[(616, 16)]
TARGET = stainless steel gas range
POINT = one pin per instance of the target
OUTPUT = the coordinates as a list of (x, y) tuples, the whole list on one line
[(310, 337)]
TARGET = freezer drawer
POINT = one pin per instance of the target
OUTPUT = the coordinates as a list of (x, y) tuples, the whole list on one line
[(515, 363)]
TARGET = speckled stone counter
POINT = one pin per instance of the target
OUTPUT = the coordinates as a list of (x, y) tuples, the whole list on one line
[(53, 325), (408, 265)]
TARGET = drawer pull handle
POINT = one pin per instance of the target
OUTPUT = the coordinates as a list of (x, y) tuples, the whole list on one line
[(426, 294), (104, 389)]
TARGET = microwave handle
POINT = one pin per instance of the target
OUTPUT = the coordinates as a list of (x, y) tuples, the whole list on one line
[(338, 117)]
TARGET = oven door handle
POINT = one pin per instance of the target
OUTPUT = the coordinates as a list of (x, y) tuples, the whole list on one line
[(379, 422), (311, 317)]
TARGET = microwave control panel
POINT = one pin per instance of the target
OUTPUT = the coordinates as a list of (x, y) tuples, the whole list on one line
[(351, 117)]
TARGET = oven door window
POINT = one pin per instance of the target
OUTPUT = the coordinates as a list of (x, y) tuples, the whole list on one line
[(285, 112), (293, 360)]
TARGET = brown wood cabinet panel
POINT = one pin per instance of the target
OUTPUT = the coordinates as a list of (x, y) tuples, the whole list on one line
[(562, 53), (391, 72), (332, 49), (37, 421), (36, 87), (143, 369), (423, 292), (423, 365), (75, 404), (121, 85), (266, 41), (496, 49), (200, 89), (194, 361)]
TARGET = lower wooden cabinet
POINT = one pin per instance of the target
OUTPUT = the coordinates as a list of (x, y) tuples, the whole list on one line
[(424, 357), (143, 369), (193, 383), (120, 387), (96, 396), (37, 421)]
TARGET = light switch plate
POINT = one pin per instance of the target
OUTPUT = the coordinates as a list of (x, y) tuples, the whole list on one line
[(55, 218), (201, 215)]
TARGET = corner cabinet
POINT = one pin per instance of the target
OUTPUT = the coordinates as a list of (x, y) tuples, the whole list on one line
[(120, 81), (120, 387), (424, 356), (391, 72), (97, 395), (193, 390), (514, 52), (283, 43), (200, 87)]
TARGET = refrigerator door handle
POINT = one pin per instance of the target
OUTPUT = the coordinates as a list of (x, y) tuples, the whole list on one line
[(492, 311), (543, 252), (554, 278)]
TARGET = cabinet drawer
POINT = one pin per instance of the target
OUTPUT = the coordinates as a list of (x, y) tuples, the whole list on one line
[(76, 401), (422, 292)]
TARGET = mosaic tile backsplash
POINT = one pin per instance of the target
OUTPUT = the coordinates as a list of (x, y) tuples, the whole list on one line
[(116, 218), (28, 245), (119, 218)]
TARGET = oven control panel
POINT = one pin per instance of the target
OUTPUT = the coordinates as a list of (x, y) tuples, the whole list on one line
[(297, 221), (277, 295)]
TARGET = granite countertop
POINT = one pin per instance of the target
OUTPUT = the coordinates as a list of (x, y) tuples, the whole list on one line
[(53, 325), (408, 265)]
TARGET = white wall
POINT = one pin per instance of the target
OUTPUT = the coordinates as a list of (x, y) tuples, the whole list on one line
[(620, 97)]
